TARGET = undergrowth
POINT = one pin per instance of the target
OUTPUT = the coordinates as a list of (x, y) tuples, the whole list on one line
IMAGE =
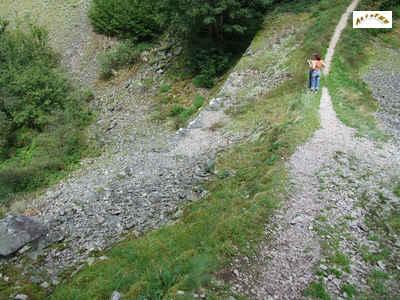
[(124, 54), (42, 116)]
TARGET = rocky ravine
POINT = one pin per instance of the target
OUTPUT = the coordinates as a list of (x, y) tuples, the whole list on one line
[(325, 194), (146, 174)]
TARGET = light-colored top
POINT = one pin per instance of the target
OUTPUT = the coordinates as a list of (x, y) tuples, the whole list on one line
[(317, 64)]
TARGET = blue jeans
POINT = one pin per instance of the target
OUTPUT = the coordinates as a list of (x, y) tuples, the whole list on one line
[(315, 80)]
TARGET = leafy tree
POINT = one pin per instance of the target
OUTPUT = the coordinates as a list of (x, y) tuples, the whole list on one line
[(215, 31), (219, 20)]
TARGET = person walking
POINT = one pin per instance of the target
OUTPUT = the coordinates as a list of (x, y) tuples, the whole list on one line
[(316, 64), (310, 70)]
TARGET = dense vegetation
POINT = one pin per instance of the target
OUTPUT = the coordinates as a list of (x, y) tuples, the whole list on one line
[(41, 116), (214, 32)]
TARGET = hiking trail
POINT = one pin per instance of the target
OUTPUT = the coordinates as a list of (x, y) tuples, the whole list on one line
[(286, 262)]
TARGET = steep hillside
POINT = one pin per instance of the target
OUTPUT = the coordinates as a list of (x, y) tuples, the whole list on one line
[(70, 31), (149, 172), (267, 190)]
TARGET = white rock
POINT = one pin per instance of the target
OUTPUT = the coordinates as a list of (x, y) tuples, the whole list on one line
[(116, 296), (90, 261)]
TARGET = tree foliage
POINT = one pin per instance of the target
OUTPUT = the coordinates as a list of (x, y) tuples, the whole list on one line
[(41, 115), (133, 19), (214, 31), (218, 20)]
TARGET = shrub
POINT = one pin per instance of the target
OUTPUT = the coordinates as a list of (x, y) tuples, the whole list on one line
[(133, 19), (208, 64), (124, 54), (215, 31), (41, 115)]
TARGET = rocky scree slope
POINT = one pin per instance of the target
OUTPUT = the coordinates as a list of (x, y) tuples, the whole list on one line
[(384, 80), (146, 174)]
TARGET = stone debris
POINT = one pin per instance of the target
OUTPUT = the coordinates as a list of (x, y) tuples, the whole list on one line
[(116, 296), (143, 178), (384, 80), (16, 232)]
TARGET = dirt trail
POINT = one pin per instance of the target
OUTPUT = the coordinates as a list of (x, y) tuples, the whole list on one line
[(296, 249), (336, 36)]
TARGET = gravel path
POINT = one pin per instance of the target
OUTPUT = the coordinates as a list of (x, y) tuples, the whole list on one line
[(336, 35), (285, 266)]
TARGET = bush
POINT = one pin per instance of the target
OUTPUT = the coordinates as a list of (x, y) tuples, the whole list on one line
[(41, 115), (125, 53), (182, 114), (133, 19), (215, 31), (208, 64)]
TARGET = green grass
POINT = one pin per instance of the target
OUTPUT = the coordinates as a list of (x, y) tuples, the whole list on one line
[(376, 281), (122, 55), (350, 290), (385, 230), (177, 101), (396, 190), (317, 290), (183, 114), (351, 97)]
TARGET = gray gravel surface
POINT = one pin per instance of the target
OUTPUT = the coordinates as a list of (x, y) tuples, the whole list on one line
[(355, 184), (384, 80)]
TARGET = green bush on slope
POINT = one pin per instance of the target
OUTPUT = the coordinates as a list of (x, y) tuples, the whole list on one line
[(126, 53), (41, 117), (215, 32), (133, 19)]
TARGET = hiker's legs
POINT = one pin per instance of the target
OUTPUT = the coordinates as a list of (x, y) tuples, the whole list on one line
[(317, 82), (309, 79), (313, 82)]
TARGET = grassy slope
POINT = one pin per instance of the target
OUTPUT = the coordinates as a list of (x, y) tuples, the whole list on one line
[(250, 183)]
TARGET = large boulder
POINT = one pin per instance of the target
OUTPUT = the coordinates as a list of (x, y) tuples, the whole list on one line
[(17, 231)]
